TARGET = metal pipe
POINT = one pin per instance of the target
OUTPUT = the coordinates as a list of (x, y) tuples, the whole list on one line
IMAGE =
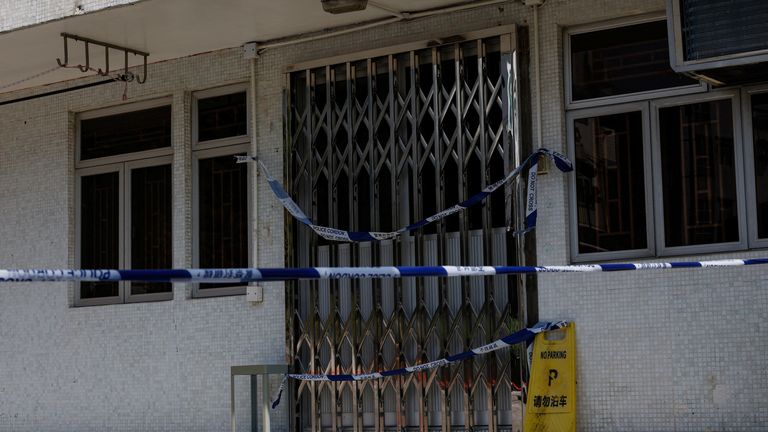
[(537, 74), (255, 150)]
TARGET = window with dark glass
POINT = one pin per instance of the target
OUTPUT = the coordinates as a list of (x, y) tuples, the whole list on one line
[(100, 230), (223, 215), (760, 151), (698, 171), (222, 116), (622, 60), (125, 133), (221, 185), (150, 208), (610, 183), (125, 206)]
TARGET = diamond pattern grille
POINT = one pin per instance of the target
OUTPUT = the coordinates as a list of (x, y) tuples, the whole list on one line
[(375, 144)]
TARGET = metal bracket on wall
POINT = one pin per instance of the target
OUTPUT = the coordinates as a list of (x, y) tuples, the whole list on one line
[(124, 76)]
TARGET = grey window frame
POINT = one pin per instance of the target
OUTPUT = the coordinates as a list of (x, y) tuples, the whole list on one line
[(213, 92), (122, 164), (649, 103), (618, 99), (662, 248), (120, 109), (79, 174), (571, 117), (749, 166), (216, 148), (129, 167), (124, 170)]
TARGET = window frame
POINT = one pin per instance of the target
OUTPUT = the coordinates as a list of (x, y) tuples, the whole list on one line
[(571, 118), (197, 156), (623, 98), (79, 174), (216, 148), (121, 109), (660, 229), (122, 164), (213, 92), (127, 172), (749, 166), (123, 169)]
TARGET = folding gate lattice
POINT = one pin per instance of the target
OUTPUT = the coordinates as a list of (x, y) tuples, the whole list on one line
[(374, 142)]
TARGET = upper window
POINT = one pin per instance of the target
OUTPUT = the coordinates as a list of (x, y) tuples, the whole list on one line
[(615, 62), (124, 200), (123, 133), (221, 185), (222, 116)]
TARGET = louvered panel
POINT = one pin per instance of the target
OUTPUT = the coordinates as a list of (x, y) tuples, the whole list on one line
[(713, 28)]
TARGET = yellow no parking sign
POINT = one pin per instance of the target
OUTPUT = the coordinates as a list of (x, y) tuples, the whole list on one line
[(551, 405)]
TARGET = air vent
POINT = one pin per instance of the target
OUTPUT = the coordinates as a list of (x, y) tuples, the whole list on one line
[(723, 41)]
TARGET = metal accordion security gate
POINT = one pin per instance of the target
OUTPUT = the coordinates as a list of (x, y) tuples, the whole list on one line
[(376, 141)]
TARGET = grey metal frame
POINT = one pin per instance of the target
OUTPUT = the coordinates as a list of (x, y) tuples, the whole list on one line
[(219, 91), (649, 103), (124, 171), (749, 166), (127, 172), (215, 148), (119, 109), (196, 157), (676, 52), (79, 174), (662, 249), (121, 164), (379, 144), (648, 183), (630, 97)]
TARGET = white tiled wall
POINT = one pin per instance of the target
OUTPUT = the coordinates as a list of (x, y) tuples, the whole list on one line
[(656, 351)]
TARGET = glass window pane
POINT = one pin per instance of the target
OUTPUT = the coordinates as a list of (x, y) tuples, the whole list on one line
[(223, 214), (100, 230), (222, 116), (622, 60), (610, 184), (151, 224), (760, 142), (698, 174), (125, 133)]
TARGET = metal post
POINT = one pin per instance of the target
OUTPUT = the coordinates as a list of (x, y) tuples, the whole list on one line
[(254, 371), (232, 420), (255, 404), (264, 403)]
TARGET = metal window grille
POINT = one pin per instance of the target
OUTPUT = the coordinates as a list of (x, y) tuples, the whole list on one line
[(374, 144)]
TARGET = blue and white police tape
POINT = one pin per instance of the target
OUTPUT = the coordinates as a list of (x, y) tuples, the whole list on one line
[(560, 161), (524, 335), (280, 274)]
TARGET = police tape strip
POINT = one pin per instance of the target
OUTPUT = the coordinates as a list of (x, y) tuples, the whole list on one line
[(281, 274), (335, 234), (524, 335)]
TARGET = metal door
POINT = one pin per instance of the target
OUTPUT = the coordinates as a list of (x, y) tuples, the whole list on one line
[(375, 142)]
